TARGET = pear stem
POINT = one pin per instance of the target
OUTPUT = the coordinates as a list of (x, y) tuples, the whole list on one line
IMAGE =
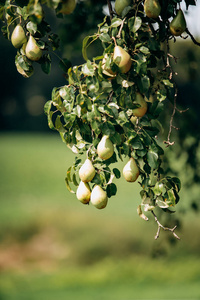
[(114, 40)]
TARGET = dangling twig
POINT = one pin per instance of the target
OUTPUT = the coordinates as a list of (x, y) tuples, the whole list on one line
[(192, 37), (111, 12), (164, 228)]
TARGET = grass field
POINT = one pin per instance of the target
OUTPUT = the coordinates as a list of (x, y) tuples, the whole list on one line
[(53, 247)]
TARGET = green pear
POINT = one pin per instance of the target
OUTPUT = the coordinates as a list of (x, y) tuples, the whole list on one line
[(83, 192), (33, 52), (125, 60), (18, 37), (140, 111), (152, 8), (68, 6), (178, 24), (131, 170), (99, 197), (105, 148), (120, 5), (87, 171)]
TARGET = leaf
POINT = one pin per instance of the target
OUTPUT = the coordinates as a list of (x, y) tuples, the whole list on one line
[(152, 159), (104, 37), (111, 190), (88, 68), (134, 24), (88, 40), (116, 173), (116, 22), (31, 27), (47, 107), (140, 213), (65, 64), (46, 63), (68, 186)]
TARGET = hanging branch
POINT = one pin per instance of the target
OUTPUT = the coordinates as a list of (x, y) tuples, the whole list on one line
[(111, 12), (192, 37), (164, 228)]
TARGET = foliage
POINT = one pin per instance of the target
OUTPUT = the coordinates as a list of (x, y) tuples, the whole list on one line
[(95, 103)]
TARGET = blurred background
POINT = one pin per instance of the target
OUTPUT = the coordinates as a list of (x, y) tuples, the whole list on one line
[(52, 246)]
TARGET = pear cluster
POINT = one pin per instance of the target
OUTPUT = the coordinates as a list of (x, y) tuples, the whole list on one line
[(97, 196)]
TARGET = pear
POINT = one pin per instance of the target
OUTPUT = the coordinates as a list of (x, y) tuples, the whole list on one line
[(18, 37), (125, 60), (140, 111), (152, 8), (33, 52), (99, 197), (83, 192), (68, 6), (105, 148), (178, 24), (131, 170), (87, 171), (120, 5)]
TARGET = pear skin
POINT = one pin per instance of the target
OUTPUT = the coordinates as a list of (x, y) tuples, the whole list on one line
[(178, 24), (152, 8), (105, 148), (99, 197), (18, 37), (83, 192), (87, 171), (140, 111), (125, 60), (120, 5), (33, 52), (68, 6), (131, 170)]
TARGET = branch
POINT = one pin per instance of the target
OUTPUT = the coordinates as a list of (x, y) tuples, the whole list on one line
[(192, 37), (111, 12), (164, 228)]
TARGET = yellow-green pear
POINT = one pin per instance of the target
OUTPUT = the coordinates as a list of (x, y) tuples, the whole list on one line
[(87, 171), (120, 5), (140, 111), (68, 6), (105, 148), (152, 8), (33, 52), (125, 60), (99, 197), (83, 192), (18, 37), (178, 24), (131, 170)]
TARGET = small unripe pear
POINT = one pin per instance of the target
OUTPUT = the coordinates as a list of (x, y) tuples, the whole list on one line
[(99, 197), (18, 37), (125, 60), (140, 111), (33, 52), (105, 148), (152, 8), (120, 5), (178, 24), (83, 192), (68, 6), (87, 171), (131, 170)]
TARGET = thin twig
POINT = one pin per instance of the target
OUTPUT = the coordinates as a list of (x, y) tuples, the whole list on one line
[(164, 228), (120, 30), (192, 37), (111, 12)]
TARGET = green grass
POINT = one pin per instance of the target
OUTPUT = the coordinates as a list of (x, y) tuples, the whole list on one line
[(54, 247)]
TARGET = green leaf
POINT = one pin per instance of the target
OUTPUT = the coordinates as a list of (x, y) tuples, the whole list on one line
[(88, 40), (65, 64), (68, 186), (88, 68), (104, 37), (116, 22), (46, 63), (31, 27), (134, 24), (47, 107), (152, 159), (117, 173), (111, 190)]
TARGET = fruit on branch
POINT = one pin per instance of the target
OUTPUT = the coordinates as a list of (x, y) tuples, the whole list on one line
[(33, 52), (105, 148), (68, 6), (131, 170), (18, 37), (87, 171), (99, 197), (178, 24), (120, 5), (142, 109), (107, 71), (152, 8), (83, 192), (122, 59)]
